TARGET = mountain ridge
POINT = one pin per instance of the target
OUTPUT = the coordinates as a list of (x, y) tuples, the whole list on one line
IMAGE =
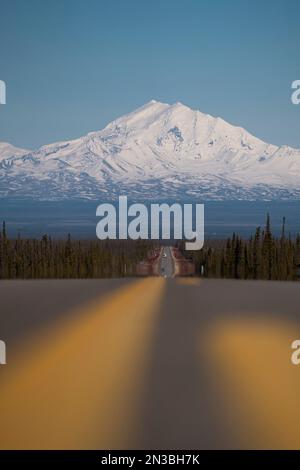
[(158, 150)]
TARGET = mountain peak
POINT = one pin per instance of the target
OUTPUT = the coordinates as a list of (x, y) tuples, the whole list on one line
[(178, 104), (158, 149)]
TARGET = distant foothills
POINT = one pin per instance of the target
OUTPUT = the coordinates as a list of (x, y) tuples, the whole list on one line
[(157, 151)]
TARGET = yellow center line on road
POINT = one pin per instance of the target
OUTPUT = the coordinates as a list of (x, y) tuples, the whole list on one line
[(79, 384), (259, 384)]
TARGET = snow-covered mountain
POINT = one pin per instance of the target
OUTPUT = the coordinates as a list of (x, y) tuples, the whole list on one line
[(157, 151), (7, 150)]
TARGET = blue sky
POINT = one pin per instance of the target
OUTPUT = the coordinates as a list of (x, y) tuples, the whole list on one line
[(71, 66)]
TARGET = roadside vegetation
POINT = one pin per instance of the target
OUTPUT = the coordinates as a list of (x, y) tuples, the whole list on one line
[(62, 259), (262, 256)]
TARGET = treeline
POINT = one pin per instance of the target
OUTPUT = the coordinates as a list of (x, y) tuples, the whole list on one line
[(263, 256), (62, 259)]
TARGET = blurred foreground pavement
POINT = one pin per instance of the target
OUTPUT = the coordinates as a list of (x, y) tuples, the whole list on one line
[(151, 363)]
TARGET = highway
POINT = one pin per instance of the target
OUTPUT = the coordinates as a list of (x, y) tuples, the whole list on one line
[(166, 263), (153, 363)]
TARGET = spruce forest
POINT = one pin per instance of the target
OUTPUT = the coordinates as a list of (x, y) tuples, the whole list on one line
[(63, 259), (263, 256)]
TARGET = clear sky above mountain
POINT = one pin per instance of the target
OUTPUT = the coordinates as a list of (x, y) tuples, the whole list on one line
[(71, 66)]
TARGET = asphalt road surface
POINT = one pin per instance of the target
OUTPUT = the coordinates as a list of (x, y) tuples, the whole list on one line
[(149, 363), (166, 263)]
